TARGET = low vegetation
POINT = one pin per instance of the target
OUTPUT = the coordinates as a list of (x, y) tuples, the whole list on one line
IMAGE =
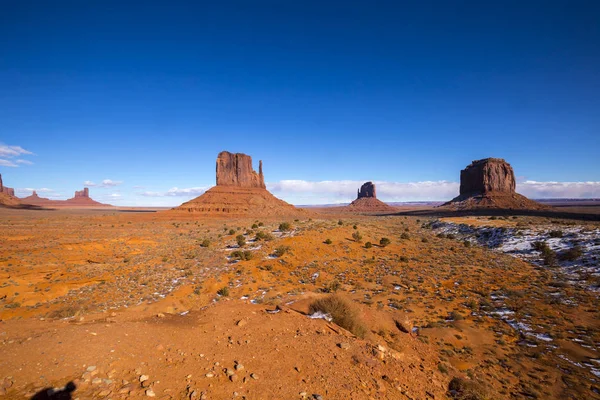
[(343, 312)]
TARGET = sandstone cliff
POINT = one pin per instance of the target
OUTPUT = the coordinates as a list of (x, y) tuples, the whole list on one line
[(367, 202), (236, 170)]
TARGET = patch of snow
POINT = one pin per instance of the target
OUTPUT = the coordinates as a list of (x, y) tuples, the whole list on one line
[(320, 315)]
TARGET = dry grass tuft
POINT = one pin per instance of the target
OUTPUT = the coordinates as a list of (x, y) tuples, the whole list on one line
[(343, 313), (462, 389)]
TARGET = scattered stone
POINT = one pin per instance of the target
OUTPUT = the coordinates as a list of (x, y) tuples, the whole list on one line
[(96, 381), (233, 378), (209, 375), (150, 393), (344, 346), (241, 322), (254, 376), (91, 368), (144, 378), (317, 396), (239, 367)]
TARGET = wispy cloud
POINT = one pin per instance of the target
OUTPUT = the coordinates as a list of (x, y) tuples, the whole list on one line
[(105, 183), (176, 192), (7, 163), (7, 153)]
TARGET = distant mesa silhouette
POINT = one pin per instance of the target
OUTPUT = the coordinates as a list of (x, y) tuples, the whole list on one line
[(367, 201), (81, 198), (56, 394), (240, 191), (490, 183), (7, 196)]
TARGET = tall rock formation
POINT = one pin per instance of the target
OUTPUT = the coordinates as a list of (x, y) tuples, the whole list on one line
[(240, 191), (85, 193), (366, 201), (490, 183), (236, 170), (6, 190), (367, 190)]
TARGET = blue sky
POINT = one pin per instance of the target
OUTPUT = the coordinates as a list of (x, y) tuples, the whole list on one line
[(144, 95)]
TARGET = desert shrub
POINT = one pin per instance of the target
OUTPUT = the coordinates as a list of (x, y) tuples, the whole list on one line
[(241, 240), (342, 311), (368, 245), (467, 243), (571, 254), (281, 250), (442, 368), (328, 241), (462, 389), (224, 291), (266, 236), (456, 316), (555, 234), (284, 226), (254, 226), (539, 245), (405, 236), (354, 227), (332, 286), (205, 243), (548, 255), (232, 231), (357, 236), (340, 222), (424, 240), (242, 255), (403, 259), (384, 241), (441, 235)]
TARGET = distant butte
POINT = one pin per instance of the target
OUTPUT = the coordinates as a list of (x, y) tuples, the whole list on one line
[(490, 183), (7, 196), (366, 201), (81, 198), (240, 191)]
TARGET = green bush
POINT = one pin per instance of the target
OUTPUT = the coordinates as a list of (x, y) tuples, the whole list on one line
[(555, 234), (571, 254), (205, 243), (340, 222), (467, 243), (232, 231), (266, 236), (254, 226), (285, 226), (281, 250), (242, 255), (241, 240), (357, 236), (384, 241), (368, 245), (328, 241), (405, 236), (224, 291)]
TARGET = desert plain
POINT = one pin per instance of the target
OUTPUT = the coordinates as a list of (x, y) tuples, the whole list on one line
[(136, 304)]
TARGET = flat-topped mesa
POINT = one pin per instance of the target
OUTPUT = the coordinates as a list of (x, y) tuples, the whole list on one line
[(236, 170), (82, 193), (487, 175), (367, 190)]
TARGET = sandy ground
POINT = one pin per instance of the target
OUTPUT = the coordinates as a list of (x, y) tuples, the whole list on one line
[(129, 304)]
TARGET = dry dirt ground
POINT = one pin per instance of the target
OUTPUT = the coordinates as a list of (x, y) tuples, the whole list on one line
[(132, 305)]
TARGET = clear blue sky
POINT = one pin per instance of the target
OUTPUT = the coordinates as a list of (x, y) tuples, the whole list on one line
[(147, 93)]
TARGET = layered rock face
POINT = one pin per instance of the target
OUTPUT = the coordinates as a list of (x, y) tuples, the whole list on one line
[(366, 201), (490, 183), (367, 190), (6, 190), (236, 170), (487, 175), (240, 191)]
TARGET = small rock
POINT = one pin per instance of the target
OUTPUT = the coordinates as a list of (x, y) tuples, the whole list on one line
[(303, 395), (91, 368), (160, 315), (241, 322), (233, 378), (229, 372), (253, 376), (239, 367), (209, 375), (144, 378), (96, 381), (317, 396), (344, 346), (150, 393)]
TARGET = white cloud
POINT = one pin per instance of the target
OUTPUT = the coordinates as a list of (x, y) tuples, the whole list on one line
[(115, 195), (9, 152), (7, 163), (104, 184), (12, 151), (541, 190), (188, 192)]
